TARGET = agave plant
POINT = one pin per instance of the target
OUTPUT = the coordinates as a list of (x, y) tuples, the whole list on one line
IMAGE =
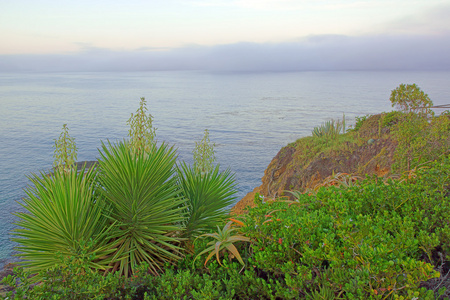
[(224, 239), (208, 197), (342, 180), (63, 216), (145, 207), (329, 129)]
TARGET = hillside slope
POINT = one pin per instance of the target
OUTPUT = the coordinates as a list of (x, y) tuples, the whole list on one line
[(368, 150)]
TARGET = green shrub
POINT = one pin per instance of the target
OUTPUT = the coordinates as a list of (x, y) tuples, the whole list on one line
[(360, 122), (374, 240), (391, 118), (61, 215), (146, 210), (208, 198), (133, 209), (410, 98), (420, 139)]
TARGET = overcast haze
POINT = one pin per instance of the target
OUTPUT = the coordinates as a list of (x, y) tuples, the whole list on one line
[(240, 35)]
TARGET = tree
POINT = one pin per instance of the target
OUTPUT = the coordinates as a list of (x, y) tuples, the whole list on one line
[(410, 98)]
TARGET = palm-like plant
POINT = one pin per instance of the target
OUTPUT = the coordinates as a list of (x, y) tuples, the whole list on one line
[(208, 197), (63, 216), (145, 206)]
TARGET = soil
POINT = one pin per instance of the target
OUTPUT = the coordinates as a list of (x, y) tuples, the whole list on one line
[(373, 156)]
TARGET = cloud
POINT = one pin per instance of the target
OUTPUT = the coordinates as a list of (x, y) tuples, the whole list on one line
[(323, 52), (290, 5), (434, 20)]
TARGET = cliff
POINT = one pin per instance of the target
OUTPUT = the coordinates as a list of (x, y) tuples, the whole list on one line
[(307, 162)]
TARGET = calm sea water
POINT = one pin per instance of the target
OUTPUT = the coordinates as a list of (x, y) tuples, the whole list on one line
[(250, 116)]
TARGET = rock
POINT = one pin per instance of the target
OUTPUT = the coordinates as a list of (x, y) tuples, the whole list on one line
[(302, 165)]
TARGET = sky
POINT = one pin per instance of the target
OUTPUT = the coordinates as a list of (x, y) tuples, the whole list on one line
[(224, 35)]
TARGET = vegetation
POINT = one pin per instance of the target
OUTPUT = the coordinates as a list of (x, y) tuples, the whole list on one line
[(410, 98), (208, 198), (61, 216), (144, 207), (137, 206), (420, 139), (377, 239), (330, 129), (65, 151), (374, 240), (142, 134), (204, 156), (223, 239), (141, 226)]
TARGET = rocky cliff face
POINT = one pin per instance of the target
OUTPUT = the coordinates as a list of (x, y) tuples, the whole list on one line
[(304, 164)]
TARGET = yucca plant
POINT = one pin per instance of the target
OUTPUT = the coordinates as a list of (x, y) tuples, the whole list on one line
[(145, 207), (208, 197), (63, 215)]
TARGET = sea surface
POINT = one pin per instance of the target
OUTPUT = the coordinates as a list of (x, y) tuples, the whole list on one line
[(250, 116)]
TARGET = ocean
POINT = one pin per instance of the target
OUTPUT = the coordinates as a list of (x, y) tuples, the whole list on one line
[(250, 116)]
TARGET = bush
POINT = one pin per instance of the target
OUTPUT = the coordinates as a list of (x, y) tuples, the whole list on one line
[(410, 98), (376, 240), (420, 139), (373, 240), (62, 215), (146, 211), (208, 197)]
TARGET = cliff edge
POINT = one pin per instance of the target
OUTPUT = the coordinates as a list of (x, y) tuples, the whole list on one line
[(307, 162)]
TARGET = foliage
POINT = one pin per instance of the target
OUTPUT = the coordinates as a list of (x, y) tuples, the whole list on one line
[(420, 140), (360, 122), (391, 118), (71, 279), (410, 98), (342, 180), (204, 156), (65, 151), (329, 129), (208, 198), (145, 207), (224, 240), (374, 240), (142, 133), (74, 281), (62, 215), (343, 124)]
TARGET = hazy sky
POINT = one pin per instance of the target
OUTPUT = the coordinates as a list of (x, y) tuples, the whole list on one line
[(224, 34)]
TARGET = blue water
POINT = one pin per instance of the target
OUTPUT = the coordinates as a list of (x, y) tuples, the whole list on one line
[(250, 116)]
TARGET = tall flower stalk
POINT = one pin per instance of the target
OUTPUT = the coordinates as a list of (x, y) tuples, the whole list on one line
[(65, 153), (142, 134)]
